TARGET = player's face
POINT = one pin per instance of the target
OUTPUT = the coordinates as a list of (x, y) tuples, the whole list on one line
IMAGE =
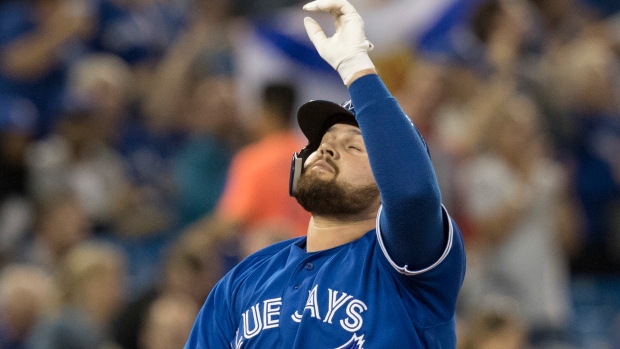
[(337, 179), (341, 156)]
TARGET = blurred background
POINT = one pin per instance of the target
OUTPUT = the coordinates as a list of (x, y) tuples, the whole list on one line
[(145, 149)]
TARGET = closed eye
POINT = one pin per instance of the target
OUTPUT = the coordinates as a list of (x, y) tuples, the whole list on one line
[(354, 148)]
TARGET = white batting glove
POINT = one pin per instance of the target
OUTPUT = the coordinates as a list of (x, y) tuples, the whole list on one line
[(347, 50)]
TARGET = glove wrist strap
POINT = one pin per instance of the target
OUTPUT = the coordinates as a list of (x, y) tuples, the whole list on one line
[(353, 64)]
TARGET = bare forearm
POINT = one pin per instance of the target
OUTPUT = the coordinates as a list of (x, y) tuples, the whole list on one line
[(169, 89), (31, 56)]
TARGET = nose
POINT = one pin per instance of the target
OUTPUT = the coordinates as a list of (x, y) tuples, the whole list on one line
[(327, 149)]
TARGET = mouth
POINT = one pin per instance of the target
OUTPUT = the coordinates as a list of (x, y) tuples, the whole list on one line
[(322, 165)]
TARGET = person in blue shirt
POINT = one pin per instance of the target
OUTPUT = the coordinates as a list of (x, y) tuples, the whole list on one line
[(382, 263), (39, 41)]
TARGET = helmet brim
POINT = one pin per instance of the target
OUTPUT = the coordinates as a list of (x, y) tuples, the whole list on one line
[(317, 116)]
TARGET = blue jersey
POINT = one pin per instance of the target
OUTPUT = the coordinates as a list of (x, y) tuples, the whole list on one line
[(396, 287)]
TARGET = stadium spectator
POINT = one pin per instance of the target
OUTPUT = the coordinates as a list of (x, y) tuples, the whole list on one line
[(27, 294), (256, 198), (517, 200), (191, 267), (39, 41), (60, 224), (91, 279), (169, 322)]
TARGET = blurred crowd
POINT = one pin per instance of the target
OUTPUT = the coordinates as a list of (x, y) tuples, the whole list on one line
[(134, 174)]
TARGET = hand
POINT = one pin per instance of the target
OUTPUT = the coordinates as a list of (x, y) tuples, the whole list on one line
[(347, 50)]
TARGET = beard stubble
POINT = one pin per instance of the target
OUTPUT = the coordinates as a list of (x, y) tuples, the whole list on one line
[(333, 199)]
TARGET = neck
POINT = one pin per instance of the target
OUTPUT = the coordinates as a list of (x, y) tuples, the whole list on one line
[(329, 232)]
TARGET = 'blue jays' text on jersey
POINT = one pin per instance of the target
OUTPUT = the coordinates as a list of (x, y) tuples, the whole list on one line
[(350, 296)]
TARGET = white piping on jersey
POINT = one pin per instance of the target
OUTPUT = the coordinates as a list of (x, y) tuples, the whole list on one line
[(403, 270)]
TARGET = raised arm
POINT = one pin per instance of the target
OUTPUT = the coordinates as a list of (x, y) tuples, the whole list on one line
[(413, 231), (34, 53)]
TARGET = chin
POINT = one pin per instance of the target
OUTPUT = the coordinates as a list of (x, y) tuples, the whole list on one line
[(331, 198)]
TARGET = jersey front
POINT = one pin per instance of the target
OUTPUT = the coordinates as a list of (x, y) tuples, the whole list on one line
[(346, 297)]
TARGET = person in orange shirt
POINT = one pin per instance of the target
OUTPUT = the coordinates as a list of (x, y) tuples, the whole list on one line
[(256, 194)]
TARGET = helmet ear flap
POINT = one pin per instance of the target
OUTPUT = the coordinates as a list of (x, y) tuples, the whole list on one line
[(297, 165)]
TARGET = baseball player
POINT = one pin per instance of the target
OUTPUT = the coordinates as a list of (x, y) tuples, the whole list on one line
[(382, 262)]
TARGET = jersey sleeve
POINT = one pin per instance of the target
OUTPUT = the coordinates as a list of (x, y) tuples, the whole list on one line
[(449, 233), (436, 286)]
